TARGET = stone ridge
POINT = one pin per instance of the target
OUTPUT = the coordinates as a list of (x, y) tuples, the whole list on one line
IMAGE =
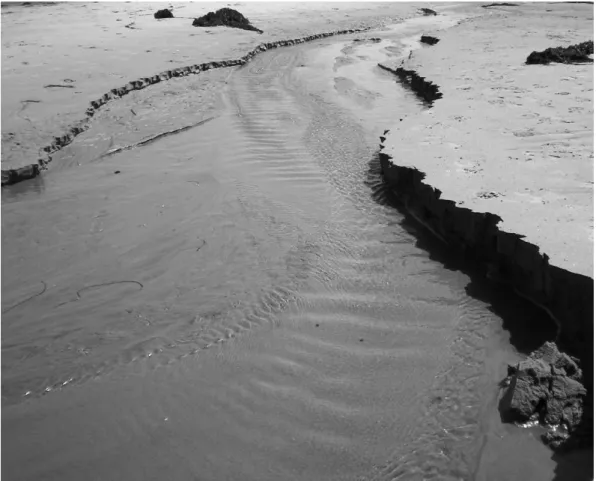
[(13, 176)]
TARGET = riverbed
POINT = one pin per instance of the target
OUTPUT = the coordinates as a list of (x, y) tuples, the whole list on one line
[(242, 300)]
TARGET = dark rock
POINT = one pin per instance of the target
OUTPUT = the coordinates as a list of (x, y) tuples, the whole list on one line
[(225, 16), (547, 387), (12, 176), (165, 13), (372, 39), (555, 439), (501, 5), (428, 11), (571, 54), (429, 40), (564, 364)]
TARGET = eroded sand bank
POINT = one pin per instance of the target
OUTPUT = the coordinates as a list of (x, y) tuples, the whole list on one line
[(508, 149)]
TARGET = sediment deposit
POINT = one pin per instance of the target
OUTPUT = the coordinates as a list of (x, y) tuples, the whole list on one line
[(82, 125)]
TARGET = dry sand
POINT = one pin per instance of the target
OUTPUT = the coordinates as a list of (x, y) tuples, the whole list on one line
[(508, 138), (106, 45)]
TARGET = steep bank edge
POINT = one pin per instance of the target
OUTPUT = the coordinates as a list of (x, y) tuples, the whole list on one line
[(566, 296), (12, 176)]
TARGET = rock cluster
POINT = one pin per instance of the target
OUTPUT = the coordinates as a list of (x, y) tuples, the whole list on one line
[(12, 176), (546, 388), (429, 40), (165, 13), (225, 16), (571, 54), (500, 5)]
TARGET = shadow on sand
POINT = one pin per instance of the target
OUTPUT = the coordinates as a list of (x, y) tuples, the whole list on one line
[(529, 327)]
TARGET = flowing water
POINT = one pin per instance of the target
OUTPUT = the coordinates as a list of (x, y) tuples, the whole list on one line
[(241, 300)]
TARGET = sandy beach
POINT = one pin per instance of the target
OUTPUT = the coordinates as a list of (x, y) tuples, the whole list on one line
[(112, 44), (507, 138), (213, 278)]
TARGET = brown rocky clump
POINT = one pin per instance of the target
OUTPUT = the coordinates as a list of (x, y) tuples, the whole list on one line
[(12, 176), (545, 388), (500, 5), (60, 142), (429, 40), (225, 16), (372, 39), (572, 54), (165, 13)]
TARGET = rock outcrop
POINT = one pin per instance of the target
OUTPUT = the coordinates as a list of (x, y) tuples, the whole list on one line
[(572, 54), (139, 84), (165, 13), (225, 16), (429, 40), (500, 5), (428, 11), (12, 176), (547, 388)]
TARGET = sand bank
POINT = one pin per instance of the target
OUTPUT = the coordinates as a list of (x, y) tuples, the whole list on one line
[(52, 74), (503, 161)]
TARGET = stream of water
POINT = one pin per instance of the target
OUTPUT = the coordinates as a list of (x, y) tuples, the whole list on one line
[(241, 300)]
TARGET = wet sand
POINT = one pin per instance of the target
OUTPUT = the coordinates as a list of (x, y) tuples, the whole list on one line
[(242, 300)]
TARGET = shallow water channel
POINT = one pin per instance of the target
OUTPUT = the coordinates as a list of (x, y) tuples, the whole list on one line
[(241, 300)]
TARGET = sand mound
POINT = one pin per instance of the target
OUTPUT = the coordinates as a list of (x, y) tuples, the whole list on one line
[(225, 16), (571, 54)]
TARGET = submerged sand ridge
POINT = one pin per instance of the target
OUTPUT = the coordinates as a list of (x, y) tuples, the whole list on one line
[(34, 115)]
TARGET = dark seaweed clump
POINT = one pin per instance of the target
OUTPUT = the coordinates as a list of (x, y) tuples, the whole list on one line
[(571, 54), (428, 11), (501, 5), (429, 40), (165, 13), (225, 16)]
